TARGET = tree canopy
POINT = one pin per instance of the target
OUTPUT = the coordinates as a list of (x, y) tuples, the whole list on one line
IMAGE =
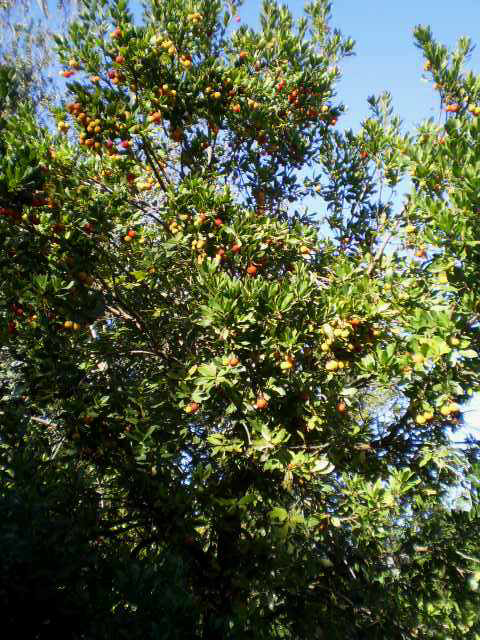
[(222, 415)]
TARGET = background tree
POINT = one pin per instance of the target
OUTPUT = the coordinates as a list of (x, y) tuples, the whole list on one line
[(206, 356), (26, 45)]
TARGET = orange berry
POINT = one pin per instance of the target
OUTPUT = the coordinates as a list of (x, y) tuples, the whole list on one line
[(261, 403)]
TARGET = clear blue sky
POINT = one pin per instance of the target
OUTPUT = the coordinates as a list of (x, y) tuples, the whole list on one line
[(386, 58)]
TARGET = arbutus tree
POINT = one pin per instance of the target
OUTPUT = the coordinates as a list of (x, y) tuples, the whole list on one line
[(261, 397)]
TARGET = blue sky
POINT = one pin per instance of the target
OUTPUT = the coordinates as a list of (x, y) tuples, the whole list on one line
[(386, 58)]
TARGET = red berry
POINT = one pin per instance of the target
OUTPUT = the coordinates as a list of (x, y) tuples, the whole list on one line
[(218, 222), (119, 59), (131, 233), (341, 407), (252, 270)]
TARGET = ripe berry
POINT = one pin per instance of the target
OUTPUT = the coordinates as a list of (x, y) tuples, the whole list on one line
[(218, 222), (252, 270), (261, 403), (192, 407), (132, 233)]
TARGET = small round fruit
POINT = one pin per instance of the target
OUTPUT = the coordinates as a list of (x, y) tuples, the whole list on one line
[(192, 407), (218, 222), (233, 361), (331, 365), (236, 248), (341, 407), (132, 233), (252, 270), (68, 324), (261, 403), (421, 419)]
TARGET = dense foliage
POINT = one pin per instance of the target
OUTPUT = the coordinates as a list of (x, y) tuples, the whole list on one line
[(222, 416)]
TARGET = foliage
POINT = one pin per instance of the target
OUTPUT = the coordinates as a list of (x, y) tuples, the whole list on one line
[(263, 398)]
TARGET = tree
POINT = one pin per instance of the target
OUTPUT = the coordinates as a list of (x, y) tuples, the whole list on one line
[(26, 45), (259, 399)]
